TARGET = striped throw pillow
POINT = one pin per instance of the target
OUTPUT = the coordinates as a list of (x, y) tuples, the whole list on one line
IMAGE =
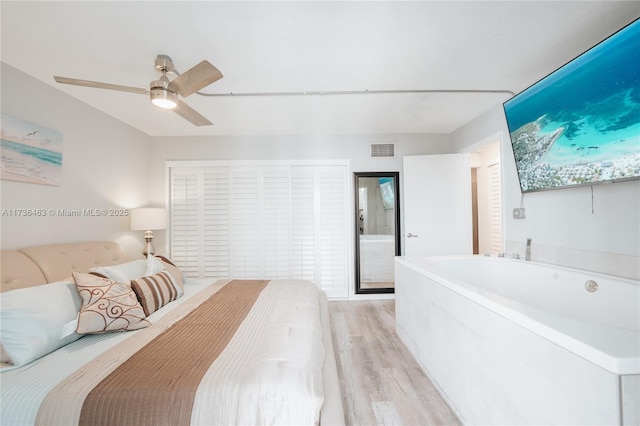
[(155, 291)]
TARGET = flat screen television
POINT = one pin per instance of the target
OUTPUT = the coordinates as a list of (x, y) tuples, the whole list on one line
[(580, 125)]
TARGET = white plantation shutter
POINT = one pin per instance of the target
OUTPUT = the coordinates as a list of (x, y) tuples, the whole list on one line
[(331, 222), (185, 215), (302, 223), (276, 207), (495, 207), (241, 220), (216, 222), (246, 212)]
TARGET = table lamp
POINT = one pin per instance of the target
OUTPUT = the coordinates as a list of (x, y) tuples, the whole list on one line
[(146, 219)]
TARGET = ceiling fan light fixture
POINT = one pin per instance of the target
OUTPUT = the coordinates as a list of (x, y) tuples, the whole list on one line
[(163, 98)]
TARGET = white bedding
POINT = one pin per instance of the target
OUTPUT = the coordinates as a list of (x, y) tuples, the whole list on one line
[(274, 335), (278, 347)]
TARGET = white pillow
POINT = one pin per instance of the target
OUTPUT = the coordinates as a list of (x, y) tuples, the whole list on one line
[(125, 272), (32, 319), (151, 265)]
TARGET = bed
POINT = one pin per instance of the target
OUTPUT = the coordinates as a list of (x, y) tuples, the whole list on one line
[(183, 351)]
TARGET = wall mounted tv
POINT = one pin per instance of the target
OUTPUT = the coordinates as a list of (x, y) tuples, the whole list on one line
[(580, 125)]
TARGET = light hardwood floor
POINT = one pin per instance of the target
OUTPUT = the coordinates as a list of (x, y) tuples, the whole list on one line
[(381, 382)]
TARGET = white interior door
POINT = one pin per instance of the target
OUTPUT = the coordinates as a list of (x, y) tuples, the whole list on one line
[(437, 205)]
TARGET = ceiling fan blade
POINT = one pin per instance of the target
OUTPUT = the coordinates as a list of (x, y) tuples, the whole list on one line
[(190, 114), (195, 79), (97, 84)]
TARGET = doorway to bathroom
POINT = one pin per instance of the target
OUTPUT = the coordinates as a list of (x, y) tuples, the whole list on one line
[(377, 239), (486, 198)]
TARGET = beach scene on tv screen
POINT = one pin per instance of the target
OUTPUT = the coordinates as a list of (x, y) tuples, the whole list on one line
[(581, 124)]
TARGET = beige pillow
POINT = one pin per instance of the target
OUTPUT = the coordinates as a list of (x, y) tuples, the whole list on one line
[(175, 272), (107, 306), (155, 291)]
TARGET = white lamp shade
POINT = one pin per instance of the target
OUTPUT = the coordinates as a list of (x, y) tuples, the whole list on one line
[(148, 218)]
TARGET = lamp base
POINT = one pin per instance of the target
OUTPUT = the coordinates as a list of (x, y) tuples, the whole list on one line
[(148, 248)]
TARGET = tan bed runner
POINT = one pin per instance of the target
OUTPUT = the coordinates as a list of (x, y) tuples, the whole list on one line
[(157, 385)]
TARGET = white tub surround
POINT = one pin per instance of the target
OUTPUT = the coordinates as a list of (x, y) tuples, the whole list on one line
[(376, 258), (616, 264), (515, 342)]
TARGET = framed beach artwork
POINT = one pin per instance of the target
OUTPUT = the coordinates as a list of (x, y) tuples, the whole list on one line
[(30, 153)]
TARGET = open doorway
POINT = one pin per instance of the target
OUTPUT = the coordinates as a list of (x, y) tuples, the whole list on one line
[(486, 197), (377, 230)]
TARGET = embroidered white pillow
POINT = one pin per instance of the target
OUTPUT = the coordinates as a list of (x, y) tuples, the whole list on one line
[(107, 305), (32, 320)]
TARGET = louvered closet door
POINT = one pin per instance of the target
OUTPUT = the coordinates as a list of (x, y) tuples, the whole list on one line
[(200, 221), (303, 214), (331, 221), (262, 221), (495, 207), (276, 229), (246, 212), (185, 214), (216, 222)]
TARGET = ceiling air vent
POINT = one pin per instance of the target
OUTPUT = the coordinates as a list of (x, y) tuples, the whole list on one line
[(383, 150)]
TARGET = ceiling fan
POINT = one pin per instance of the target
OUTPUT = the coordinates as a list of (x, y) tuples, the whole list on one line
[(164, 92)]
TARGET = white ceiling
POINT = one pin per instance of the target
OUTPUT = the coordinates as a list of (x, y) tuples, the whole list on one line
[(306, 46)]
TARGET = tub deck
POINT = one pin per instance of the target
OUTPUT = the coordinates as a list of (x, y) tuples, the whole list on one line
[(616, 349), (500, 360)]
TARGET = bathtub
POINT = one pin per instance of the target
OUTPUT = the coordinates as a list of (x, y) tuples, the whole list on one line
[(376, 258), (513, 342)]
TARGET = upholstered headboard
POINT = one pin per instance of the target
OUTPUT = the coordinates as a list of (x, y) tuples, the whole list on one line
[(44, 264)]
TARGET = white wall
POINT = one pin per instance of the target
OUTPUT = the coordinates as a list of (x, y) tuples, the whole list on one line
[(561, 223), (355, 148), (105, 165)]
